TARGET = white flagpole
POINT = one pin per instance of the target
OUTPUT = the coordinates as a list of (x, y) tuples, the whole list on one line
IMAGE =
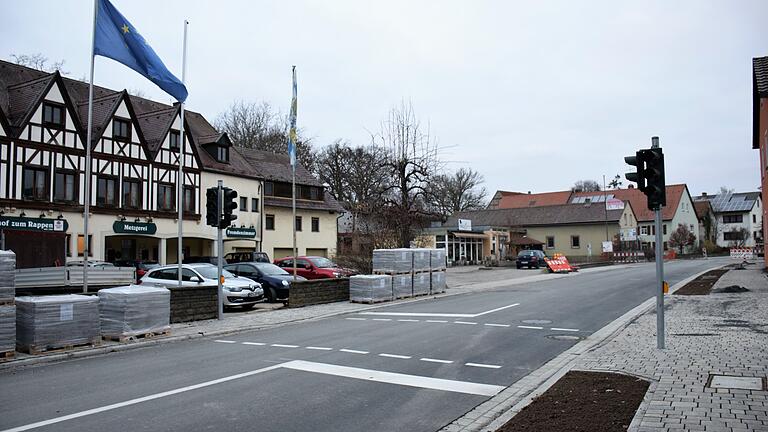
[(293, 184), (89, 138), (182, 145)]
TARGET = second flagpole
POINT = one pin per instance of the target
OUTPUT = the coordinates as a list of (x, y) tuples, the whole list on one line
[(182, 145)]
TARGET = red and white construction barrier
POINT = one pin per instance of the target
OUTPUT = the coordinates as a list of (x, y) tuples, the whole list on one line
[(742, 253), (628, 257), (559, 264)]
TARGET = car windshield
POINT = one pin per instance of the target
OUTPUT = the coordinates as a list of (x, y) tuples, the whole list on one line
[(148, 266), (323, 262), (526, 253), (270, 269), (211, 272)]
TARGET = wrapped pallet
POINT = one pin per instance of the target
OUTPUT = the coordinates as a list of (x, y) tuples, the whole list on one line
[(7, 330), (421, 283), (370, 288), (7, 276), (134, 310), (392, 261), (437, 259), (402, 286), (438, 282), (421, 260), (49, 322)]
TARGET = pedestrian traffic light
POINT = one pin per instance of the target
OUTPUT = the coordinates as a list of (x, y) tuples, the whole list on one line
[(655, 187), (639, 176), (212, 207), (229, 205)]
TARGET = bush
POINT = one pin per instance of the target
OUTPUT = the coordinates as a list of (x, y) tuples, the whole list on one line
[(362, 263)]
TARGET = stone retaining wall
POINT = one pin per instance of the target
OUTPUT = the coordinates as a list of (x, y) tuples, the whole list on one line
[(193, 303), (318, 291)]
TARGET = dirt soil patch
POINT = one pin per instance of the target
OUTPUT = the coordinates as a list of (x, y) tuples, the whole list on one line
[(582, 401), (702, 285)]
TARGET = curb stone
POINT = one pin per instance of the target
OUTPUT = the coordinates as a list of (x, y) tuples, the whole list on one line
[(497, 411), (92, 352)]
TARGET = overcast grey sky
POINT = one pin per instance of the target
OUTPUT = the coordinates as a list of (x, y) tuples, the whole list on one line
[(534, 95)]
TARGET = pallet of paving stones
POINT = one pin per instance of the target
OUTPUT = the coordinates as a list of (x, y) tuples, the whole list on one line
[(421, 283), (421, 259), (52, 349), (370, 288), (437, 282), (134, 312), (392, 261), (7, 355), (135, 337), (7, 330), (402, 286), (437, 259), (7, 277)]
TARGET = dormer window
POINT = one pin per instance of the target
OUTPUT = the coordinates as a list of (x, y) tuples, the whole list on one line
[(174, 140), (222, 154), (121, 130), (53, 115)]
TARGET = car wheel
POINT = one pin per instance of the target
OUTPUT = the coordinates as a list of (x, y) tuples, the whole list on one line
[(519, 266), (269, 293)]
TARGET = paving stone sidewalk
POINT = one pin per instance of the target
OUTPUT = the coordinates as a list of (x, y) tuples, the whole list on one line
[(723, 334)]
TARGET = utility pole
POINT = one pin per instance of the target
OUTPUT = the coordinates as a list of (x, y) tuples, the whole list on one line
[(220, 248)]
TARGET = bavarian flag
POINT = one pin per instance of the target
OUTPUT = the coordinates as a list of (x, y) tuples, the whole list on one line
[(116, 38)]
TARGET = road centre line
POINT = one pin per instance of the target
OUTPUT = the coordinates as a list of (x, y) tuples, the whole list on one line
[(396, 378), (284, 346), (353, 351), (381, 319), (408, 320), (431, 360), (465, 322), (446, 315), (253, 343), (225, 341), (531, 327), (319, 348), (397, 356), (436, 321), (564, 329), (356, 319), (481, 365), (496, 325)]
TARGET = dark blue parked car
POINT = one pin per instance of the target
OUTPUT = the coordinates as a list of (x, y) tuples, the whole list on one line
[(275, 281)]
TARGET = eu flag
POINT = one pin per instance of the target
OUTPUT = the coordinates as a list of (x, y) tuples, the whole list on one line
[(117, 39)]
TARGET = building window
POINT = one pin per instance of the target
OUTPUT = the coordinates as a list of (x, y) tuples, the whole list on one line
[(131, 194), (314, 194), (65, 186), (315, 224), (106, 192), (244, 204), (733, 218), (575, 242), (222, 154), (665, 229), (254, 205), (174, 140), (81, 245), (644, 230), (653, 229), (665, 245), (165, 197), (550, 242), (732, 236), (269, 222), (53, 115), (754, 218), (298, 223), (121, 130), (269, 189), (35, 184), (189, 199)]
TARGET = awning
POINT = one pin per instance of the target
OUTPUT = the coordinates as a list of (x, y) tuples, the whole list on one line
[(469, 235)]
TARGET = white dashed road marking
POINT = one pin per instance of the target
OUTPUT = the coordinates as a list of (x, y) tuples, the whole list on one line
[(496, 325), (225, 341), (481, 365), (437, 321), (253, 343), (351, 351), (465, 322), (397, 356), (431, 360), (564, 329), (408, 320), (531, 327), (320, 348), (356, 319), (284, 346), (447, 315), (381, 319)]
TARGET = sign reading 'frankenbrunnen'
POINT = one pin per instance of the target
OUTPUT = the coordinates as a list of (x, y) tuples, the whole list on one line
[(32, 224), (125, 227), (241, 232)]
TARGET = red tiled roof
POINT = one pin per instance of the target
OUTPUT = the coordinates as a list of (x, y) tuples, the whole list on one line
[(640, 203), (702, 208), (534, 200)]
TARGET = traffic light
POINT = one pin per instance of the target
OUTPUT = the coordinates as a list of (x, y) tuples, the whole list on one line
[(212, 206), (649, 176), (229, 205), (655, 187)]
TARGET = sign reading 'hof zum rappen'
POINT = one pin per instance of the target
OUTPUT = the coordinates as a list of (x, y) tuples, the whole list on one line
[(32, 224)]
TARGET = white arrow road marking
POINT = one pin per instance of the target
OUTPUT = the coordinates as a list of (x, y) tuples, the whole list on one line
[(428, 314), (396, 378)]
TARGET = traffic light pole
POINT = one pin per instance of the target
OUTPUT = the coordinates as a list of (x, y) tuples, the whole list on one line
[(659, 282), (220, 250)]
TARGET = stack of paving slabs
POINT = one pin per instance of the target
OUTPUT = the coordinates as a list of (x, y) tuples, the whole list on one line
[(421, 260), (392, 261), (7, 307), (61, 321), (402, 286), (370, 288), (421, 283), (437, 282), (131, 311), (437, 259)]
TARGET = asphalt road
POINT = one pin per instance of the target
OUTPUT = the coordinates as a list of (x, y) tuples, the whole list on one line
[(413, 367)]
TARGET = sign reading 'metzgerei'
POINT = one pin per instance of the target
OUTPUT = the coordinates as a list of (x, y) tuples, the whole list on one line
[(123, 227)]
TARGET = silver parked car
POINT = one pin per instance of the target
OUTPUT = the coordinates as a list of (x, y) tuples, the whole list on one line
[(238, 291)]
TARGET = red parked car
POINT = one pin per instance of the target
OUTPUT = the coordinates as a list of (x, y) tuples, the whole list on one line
[(314, 267)]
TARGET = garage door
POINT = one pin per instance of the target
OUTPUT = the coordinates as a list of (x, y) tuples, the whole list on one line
[(282, 252), (317, 252)]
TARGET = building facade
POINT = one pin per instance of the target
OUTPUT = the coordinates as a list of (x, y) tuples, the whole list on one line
[(739, 218), (760, 130)]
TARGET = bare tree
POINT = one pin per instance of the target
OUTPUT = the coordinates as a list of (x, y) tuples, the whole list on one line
[(586, 186), (460, 191), (724, 190), (616, 182), (40, 62), (681, 238), (412, 157), (258, 126), (738, 236)]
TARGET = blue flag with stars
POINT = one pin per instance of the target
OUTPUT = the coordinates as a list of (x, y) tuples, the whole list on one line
[(116, 38)]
